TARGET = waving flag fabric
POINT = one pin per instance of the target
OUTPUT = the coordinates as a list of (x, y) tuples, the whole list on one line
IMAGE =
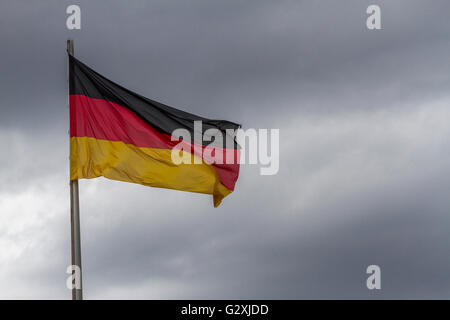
[(120, 135)]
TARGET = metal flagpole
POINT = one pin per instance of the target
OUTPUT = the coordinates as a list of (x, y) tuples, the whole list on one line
[(77, 293)]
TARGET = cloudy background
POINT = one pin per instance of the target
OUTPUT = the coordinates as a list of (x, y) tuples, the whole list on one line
[(364, 144)]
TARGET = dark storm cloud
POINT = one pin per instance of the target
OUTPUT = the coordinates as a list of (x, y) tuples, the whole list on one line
[(363, 153), (233, 55)]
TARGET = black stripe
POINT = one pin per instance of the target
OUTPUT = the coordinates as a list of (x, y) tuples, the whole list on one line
[(85, 81)]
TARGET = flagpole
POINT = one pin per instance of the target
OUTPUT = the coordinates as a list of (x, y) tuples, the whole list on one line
[(77, 294)]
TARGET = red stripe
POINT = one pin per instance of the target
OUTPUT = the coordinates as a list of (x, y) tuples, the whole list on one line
[(101, 119)]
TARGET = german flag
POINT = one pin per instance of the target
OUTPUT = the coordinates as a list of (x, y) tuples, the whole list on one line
[(121, 135)]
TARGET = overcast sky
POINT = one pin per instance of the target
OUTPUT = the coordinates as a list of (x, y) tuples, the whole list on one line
[(364, 150)]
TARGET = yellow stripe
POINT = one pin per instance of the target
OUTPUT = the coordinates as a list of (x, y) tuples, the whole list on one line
[(92, 158)]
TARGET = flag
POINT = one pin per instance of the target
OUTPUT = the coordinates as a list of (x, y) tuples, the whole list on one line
[(121, 135)]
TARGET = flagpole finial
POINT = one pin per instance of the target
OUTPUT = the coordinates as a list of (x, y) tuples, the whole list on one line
[(70, 46)]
